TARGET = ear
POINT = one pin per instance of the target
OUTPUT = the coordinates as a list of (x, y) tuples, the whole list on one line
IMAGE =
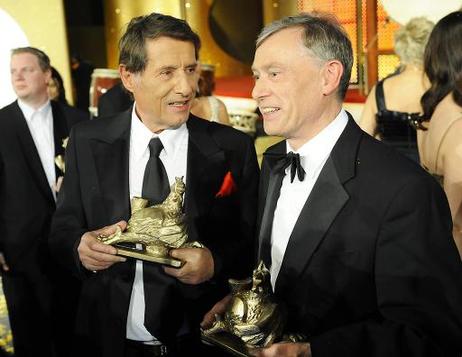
[(198, 77), (332, 72), (127, 77), (47, 76)]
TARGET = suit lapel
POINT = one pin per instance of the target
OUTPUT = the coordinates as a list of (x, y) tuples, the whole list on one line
[(30, 152), (326, 200), (268, 199), (111, 154), (322, 206), (205, 169)]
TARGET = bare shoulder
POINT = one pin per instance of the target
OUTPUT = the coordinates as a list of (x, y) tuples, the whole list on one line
[(447, 115), (403, 92), (222, 112), (452, 142)]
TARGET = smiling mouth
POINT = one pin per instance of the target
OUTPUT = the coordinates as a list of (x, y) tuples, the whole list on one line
[(178, 103), (269, 110)]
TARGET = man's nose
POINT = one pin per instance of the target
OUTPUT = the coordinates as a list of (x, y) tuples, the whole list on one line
[(184, 85), (17, 76), (260, 90)]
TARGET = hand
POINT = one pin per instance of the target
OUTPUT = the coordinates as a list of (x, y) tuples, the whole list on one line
[(3, 264), (198, 267), (95, 255), (284, 349), (218, 309)]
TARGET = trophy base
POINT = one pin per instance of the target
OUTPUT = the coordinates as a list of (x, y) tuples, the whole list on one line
[(139, 254), (227, 341)]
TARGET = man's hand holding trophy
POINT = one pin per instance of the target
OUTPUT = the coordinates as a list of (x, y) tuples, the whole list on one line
[(158, 228)]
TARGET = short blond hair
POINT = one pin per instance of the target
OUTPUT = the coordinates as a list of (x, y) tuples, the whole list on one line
[(410, 40), (42, 57)]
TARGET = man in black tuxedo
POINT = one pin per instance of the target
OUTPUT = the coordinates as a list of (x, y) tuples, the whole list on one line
[(32, 130), (132, 307), (114, 101), (357, 239)]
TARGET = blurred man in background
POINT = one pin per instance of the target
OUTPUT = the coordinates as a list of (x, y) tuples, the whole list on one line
[(41, 298)]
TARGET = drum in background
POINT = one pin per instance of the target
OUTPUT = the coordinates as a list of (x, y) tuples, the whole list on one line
[(243, 120), (102, 80)]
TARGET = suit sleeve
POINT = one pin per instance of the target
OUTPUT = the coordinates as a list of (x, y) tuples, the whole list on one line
[(69, 224), (233, 254), (418, 284)]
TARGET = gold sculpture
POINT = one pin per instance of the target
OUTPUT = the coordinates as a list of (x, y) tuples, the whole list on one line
[(158, 228), (252, 319)]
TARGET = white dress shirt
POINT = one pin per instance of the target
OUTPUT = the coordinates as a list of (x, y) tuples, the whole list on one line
[(292, 198), (173, 157), (40, 123)]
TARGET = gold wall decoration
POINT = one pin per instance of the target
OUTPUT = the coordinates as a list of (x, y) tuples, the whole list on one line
[(197, 15), (43, 22)]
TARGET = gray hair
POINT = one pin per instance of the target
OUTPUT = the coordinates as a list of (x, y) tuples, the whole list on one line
[(324, 38), (132, 44), (43, 59), (410, 40)]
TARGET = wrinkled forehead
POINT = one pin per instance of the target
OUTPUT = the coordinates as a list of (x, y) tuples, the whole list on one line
[(165, 45), (282, 47)]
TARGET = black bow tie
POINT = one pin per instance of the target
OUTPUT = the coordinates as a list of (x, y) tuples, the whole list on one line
[(293, 160), (283, 161)]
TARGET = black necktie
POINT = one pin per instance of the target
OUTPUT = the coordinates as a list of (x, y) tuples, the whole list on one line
[(155, 189), (155, 181)]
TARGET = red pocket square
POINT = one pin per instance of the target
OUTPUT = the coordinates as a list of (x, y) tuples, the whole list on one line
[(227, 187)]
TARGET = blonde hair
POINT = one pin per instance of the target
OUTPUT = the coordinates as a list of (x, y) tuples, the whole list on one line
[(410, 40)]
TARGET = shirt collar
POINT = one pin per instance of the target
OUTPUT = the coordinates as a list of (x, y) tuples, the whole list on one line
[(29, 111), (314, 153), (141, 135)]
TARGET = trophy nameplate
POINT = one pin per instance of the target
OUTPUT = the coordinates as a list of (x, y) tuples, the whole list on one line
[(228, 342), (158, 229), (141, 255)]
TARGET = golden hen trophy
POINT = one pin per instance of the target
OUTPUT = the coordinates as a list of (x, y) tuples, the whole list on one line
[(158, 228), (252, 319)]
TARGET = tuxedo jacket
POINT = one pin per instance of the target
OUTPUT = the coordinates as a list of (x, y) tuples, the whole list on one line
[(96, 194), (371, 268), (26, 200)]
